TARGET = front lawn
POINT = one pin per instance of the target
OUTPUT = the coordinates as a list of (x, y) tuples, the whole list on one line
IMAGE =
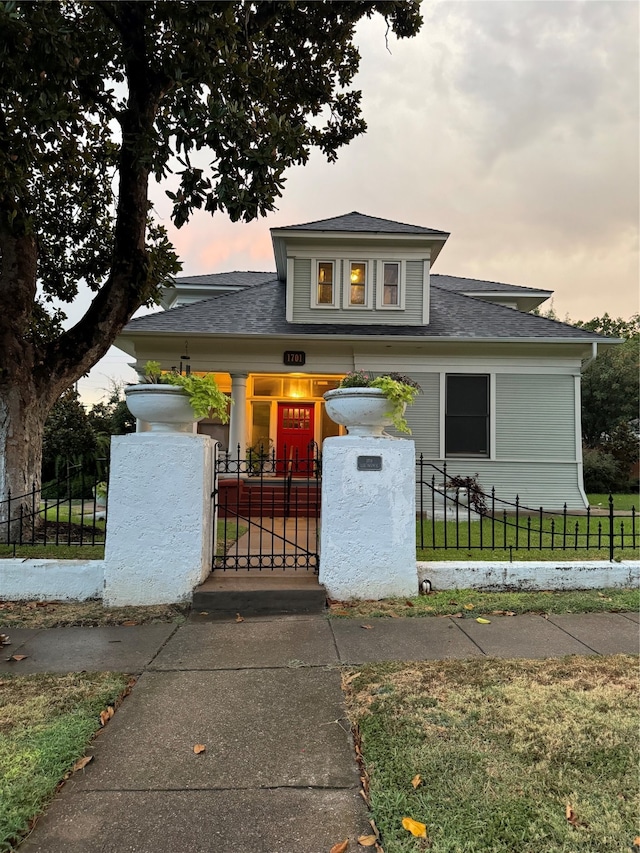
[(46, 724), (500, 755), (621, 503), (527, 537)]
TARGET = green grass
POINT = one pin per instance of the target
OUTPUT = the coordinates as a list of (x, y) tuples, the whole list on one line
[(64, 614), (487, 539), (471, 603), (502, 748), (621, 503), (46, 723), (94, 552)]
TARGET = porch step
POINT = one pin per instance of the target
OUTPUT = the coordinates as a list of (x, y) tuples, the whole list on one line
[(255, 593)]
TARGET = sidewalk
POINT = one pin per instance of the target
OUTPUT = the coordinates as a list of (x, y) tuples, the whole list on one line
[(278, 774)]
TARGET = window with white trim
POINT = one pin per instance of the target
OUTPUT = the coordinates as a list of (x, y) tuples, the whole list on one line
[(466, 424), (326, 284), (390, 285), (357, 287)]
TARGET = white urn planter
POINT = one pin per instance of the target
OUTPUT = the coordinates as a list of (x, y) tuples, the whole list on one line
[(363, 411), (166, 408)]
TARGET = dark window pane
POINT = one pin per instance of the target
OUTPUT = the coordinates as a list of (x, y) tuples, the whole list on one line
[(467, 395), (467, 435)]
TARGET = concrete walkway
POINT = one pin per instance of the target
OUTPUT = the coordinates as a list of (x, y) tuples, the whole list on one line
[(263, 695)]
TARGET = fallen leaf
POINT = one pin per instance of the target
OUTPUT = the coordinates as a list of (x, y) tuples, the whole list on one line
[(409, 603), (453, 603), (239, 618), (203, 613), (4, 640), (393, 615), (18, 657), (509, 613), (468, 606), (572, 817), (129, 623), (368, 627), (419, 830), (106, 715), (417, 780), (341, 847), (198, 748), (341, 612), (456, 615), (81, 763), (482, 621), (636, 841), (367, 840)]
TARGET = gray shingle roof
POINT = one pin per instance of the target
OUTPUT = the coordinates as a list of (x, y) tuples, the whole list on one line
[(228, 279), (260, 311), (475, 285), (355, 221)]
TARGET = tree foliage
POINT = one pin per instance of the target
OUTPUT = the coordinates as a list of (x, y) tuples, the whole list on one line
[(214, 99), (610, 383)]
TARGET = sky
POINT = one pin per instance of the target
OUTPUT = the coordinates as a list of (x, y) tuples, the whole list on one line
[(511, 124)]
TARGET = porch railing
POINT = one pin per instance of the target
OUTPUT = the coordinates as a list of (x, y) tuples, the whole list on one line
[(51, 515), (452, 515)]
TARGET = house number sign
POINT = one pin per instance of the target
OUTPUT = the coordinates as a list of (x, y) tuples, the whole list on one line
[(295, 358), (369, 463)]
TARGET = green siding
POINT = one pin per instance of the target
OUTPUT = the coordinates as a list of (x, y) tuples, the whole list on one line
[(535, 417), (423, 416)]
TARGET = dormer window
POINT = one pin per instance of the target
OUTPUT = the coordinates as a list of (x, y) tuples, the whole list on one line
[(358, 283), (325, 283), (357, 287), (390, 285)]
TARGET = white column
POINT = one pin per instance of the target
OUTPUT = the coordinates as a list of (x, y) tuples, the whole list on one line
[(238, 417), (368, 532), (160, 524)]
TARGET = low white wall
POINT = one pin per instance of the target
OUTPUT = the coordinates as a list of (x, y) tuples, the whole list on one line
[(79, 580), (530, 575), (51, 580)]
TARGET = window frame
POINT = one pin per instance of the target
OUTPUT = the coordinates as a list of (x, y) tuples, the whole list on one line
[(346, 285), (402, 277), (315, 282), (465, 454)]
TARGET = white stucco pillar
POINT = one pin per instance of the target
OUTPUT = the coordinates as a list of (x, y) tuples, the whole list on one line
[(368, 529), (238, 414), (160, 525)]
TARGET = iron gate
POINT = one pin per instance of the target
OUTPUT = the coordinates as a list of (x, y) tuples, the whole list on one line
[(267, 510)]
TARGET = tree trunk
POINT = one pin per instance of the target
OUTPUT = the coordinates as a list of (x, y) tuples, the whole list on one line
[(22, 416)]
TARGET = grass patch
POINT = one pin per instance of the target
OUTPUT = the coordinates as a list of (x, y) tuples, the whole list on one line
[(621, 503), (63, 614), (491, 539), (96, 552), (46, 722), (471, 603), (502, 747)]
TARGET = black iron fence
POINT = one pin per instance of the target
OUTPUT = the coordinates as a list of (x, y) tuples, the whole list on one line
[(70, 510), (457, 513), (267, 507)]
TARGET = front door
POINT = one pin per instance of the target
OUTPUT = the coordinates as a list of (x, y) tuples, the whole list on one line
[(295, 437)]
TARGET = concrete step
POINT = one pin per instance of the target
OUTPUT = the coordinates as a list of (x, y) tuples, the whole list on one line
[(259, 593)]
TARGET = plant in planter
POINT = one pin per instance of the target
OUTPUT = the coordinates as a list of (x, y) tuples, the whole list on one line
[(205, 398), (183, 399), (398, 390), (475, 497)]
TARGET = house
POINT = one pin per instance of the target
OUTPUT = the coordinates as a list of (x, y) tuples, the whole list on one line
[(501, 386)]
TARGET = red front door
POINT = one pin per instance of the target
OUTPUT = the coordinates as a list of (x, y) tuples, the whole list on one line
[(295, 437)]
